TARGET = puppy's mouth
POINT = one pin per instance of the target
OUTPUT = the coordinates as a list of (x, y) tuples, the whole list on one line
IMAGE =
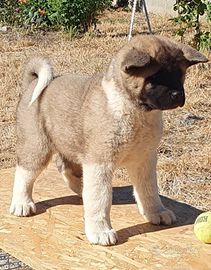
[(147, 107)]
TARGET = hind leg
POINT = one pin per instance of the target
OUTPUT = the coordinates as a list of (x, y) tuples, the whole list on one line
[(32, 160), (34, 151), (71, 173), (25, 176), (22, 202)]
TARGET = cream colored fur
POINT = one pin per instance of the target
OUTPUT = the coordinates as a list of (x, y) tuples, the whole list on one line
[(97, 124), (22, 202), (45, 76)]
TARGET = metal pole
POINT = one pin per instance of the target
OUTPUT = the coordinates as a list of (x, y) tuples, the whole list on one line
[(147, 17), (132, 20), (133, 16)]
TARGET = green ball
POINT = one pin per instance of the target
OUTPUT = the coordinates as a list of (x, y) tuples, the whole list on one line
[(202, 227)]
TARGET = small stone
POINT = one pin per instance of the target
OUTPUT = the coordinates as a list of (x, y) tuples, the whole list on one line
[(4, 28)]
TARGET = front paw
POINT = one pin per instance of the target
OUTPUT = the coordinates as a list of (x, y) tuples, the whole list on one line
[(23, 208), (165, 217), (105, 237)]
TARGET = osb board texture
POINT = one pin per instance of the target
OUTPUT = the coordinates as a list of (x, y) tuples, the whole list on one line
[(54, 238)]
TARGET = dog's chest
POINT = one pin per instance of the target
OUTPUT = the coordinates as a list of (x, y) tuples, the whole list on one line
[(136, 134)]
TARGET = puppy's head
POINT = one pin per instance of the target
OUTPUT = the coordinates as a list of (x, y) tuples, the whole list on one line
[(152, 70)]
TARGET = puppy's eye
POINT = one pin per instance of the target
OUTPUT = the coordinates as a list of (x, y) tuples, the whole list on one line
[(154, 76), (159, 77)]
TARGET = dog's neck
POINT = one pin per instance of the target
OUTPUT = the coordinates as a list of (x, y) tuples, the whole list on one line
[(119, 102)]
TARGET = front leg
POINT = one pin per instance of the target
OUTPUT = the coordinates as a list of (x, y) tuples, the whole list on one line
[(97, 197), (144, 180)]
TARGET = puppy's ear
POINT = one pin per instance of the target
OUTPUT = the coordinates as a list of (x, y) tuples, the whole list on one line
[(193, 56), (135, 59)]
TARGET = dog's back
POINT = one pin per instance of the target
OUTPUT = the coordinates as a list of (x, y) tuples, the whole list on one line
[(49, 115)]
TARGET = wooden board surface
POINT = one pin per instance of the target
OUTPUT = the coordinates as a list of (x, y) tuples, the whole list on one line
[(55, 239)]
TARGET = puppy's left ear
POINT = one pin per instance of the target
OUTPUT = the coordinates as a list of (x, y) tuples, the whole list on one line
[(193, 56), (135, 59)]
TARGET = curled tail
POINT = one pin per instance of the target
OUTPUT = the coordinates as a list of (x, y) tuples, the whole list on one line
[(41, 69)]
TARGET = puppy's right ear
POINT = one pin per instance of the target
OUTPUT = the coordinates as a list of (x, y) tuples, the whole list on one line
[(193, 56), (135, 59)]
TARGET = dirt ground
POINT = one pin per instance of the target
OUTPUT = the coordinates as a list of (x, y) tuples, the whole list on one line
[(184, 165)]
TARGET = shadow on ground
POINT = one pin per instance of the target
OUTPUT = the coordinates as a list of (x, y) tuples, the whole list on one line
[(185, 214)]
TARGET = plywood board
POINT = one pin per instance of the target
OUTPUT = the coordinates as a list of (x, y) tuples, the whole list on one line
[(54, 238)]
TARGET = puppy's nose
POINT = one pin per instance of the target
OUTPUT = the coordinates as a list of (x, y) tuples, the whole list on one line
[(178, 97)]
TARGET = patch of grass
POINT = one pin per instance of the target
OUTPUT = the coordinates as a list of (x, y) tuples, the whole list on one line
[(184, 154)]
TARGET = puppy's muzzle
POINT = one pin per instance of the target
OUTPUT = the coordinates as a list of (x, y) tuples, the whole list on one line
[(162, 98)]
